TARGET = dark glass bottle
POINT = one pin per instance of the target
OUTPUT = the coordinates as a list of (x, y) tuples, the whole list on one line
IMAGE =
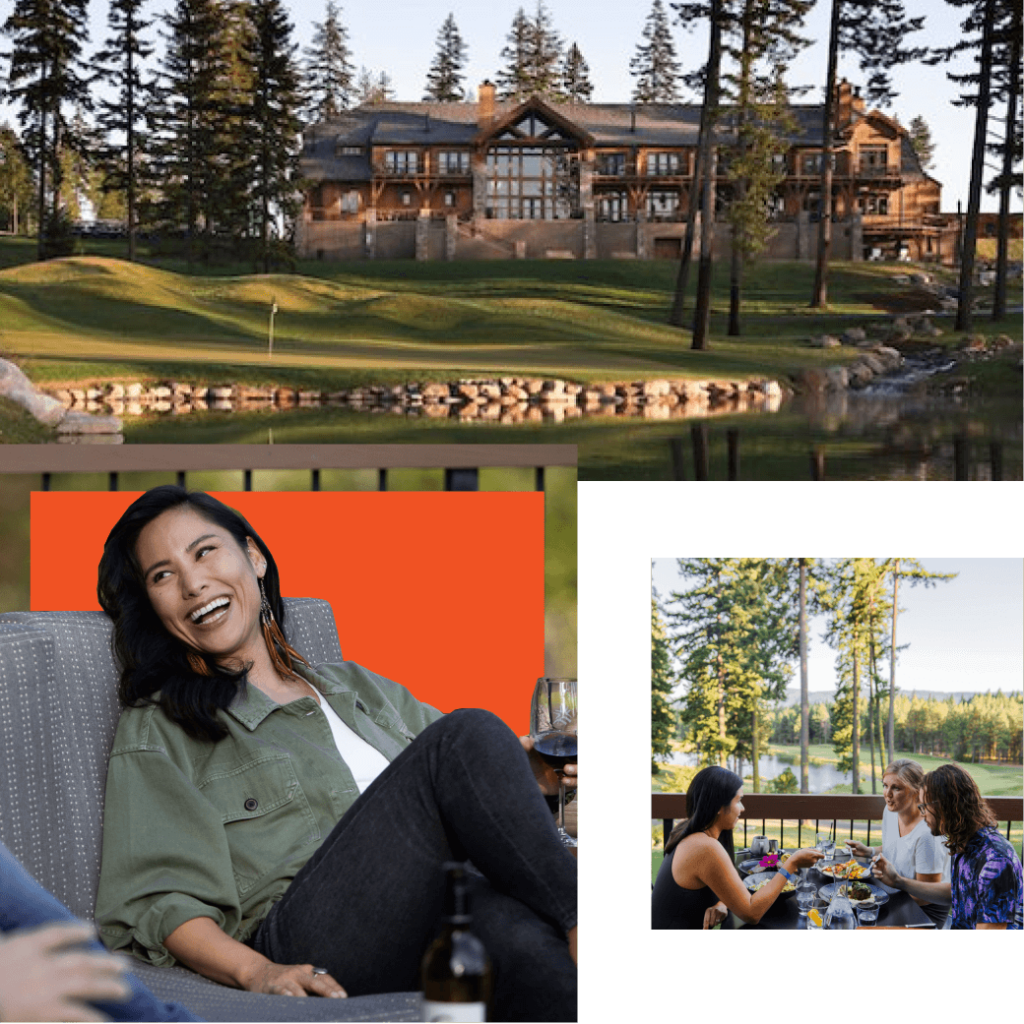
[(456, 972)]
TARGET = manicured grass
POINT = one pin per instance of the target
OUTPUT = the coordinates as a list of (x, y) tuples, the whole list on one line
[(92, 317)]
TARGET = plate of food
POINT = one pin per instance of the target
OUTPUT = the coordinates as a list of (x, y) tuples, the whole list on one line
[(858, 893), (852, 869), (754, 864), (760, 879)]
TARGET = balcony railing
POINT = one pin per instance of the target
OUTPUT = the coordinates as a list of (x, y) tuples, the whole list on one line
[(461, 462), (800, 810)]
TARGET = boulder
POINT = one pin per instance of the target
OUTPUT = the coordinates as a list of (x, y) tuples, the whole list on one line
[(81, 423), (838, 378), (859, 374), (813, 379), (825, 341), (16, 387), (854, 335)]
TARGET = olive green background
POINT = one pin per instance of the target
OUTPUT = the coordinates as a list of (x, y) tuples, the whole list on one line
[(619, 534)]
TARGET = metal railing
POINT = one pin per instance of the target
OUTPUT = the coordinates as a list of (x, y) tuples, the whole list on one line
[(461, 462), (800, 808)]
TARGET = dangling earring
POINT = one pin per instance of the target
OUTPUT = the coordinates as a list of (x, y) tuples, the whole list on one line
[(197, 663), (280, 650)]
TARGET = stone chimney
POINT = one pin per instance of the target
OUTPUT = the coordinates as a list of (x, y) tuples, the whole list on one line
[(844, 104), (485, 104), (857, 102)]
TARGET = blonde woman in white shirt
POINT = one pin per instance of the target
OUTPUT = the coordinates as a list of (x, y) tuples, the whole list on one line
[(907, 840)]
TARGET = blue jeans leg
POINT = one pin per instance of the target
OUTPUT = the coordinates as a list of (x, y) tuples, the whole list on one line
[(367, 903), (24, 903)]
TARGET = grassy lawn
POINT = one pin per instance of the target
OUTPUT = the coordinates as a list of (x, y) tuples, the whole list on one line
[(97, 318)]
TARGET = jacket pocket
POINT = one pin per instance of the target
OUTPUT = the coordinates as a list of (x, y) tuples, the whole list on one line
[(267, 818)]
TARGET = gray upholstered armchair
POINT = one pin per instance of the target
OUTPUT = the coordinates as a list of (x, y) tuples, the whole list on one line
[(58, 712)]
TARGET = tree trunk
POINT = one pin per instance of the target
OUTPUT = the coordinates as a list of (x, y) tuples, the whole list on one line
[(1003, 237), (855, 743), (819, 298), (872, 699), (804, 697), (754, 751), (890, 725), (963, 311), (686, 256), (702, 306)]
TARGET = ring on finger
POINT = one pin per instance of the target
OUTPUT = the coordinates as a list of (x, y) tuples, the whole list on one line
[(320, 970)]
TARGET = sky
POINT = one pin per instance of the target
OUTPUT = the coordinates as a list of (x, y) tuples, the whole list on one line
[(963, 634), (399, 36)]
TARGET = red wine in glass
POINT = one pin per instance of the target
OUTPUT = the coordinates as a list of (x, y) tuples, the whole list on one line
[(557, 748)]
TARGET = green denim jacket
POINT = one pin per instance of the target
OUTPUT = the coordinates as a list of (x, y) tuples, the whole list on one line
[(219, 830)]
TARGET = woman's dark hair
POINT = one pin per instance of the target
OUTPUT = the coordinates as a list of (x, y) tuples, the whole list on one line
[(962, 808), (711, 789), (151, 659)]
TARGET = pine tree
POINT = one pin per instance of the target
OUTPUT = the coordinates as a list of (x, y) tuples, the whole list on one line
[(47, 79), (373, 87), (735, 639), (187, 123), (663, 719), (763, 41), (121, 64), (444, 79), (512, 81), (274, 123), (16, 189), (924, 145), (546, 59), (576, 84), (329, 74), (533, 58), (876, 31), (654, 66)]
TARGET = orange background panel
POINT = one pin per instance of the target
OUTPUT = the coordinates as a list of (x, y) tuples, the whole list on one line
[(442, 592)]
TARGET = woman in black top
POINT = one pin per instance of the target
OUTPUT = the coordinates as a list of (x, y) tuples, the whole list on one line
[(697, 883)]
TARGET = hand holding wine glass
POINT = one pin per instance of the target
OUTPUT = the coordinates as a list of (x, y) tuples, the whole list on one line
[(553, 730)]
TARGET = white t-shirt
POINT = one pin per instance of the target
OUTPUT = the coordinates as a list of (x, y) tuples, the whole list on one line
[(918, 852), (364, 762)]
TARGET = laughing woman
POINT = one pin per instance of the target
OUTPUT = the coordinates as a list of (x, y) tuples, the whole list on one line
[(697, 882), (264, 815)]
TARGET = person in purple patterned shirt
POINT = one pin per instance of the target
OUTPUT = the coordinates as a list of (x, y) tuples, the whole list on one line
[(984, 889)]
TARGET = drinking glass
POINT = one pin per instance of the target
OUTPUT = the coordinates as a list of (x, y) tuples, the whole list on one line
[(821, 906), (553, 731), (867, 915), (806, 890)]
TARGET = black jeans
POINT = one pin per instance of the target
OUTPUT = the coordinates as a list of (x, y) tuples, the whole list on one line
[(367, 903)]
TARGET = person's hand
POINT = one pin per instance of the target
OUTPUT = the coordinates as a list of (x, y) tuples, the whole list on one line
[(292, 980), (884, 871), (802, 859), (714, 915), (859, 849), (41, 978), (546, 776)]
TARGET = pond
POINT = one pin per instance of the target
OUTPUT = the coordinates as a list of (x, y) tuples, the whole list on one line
[(820, 778), (847, 436)]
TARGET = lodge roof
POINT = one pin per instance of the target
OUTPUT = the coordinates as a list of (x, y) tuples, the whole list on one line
[(458, 125)]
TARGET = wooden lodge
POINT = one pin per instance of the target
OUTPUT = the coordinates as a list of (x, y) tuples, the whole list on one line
[(535, 179)]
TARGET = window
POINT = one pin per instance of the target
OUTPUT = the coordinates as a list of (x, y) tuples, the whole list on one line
[(449, 198), (612, 164), (611, 206), (453, 162), (662, 163), (810, 163), (873, 160), (349, 151), (532, 183), (401, 161), (406, 197), (874, 205), (662, 204)]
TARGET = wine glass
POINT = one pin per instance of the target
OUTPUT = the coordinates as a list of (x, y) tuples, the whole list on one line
[(553, 731)]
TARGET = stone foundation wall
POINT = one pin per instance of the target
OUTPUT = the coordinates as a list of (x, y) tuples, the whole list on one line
[(505, 239)]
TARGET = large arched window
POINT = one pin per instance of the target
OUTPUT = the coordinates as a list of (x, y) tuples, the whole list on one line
[(533, 172)]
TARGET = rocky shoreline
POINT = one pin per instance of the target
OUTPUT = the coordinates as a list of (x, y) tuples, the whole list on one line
[(502, 399)]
